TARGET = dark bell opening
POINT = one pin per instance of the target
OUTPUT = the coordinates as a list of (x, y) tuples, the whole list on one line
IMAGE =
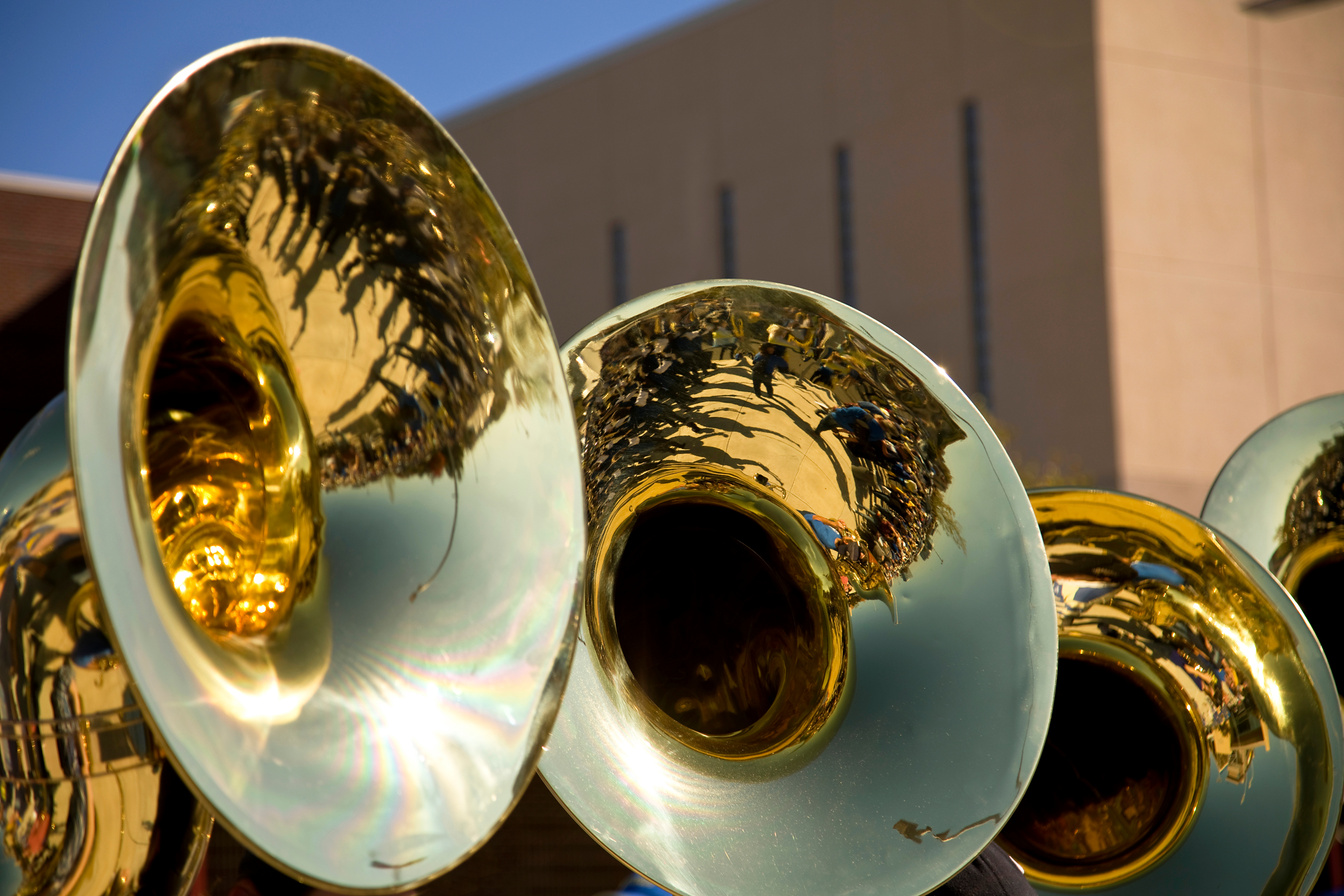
[(707, 618), (1109, 775), (194, 374), (1320, 594)]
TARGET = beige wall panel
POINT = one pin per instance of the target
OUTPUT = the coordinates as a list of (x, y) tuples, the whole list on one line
[(1306, 45), (1211, 32), (1008, 43), (1180, 173), (658, 166), (893, 62), (758, 97), (1030, 66), (776, 130), (910, 236), (1309, 326), (1304, 175), (1190, 377)]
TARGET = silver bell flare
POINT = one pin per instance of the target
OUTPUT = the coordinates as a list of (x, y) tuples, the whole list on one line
[(325, 465), (817, 645)]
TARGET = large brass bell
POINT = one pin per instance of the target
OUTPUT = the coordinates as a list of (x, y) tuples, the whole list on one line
[(327, 490), (817, 643)]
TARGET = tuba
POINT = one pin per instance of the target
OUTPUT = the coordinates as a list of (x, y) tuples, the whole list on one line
[(1281, 495), (307, 523), (1196, 740), (817, 641)]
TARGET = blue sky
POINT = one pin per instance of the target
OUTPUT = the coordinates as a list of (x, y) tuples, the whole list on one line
[(76, 73)]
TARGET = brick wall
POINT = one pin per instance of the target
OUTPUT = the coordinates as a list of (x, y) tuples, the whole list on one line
[(40, 236)]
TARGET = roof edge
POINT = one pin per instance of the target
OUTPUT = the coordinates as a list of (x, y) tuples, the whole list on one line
[(42, 185)]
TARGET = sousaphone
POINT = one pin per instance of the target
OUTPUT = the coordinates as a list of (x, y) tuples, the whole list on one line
[(1196, 742), (817, 639), (1281, 496), (329, 523)]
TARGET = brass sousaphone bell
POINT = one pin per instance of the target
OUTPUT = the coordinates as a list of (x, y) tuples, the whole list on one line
[(817, 644), (1281, 496), (1196, 744), (329, 523)]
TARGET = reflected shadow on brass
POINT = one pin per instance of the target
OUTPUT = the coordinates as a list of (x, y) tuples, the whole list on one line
[(835, 505), (1184, 670)]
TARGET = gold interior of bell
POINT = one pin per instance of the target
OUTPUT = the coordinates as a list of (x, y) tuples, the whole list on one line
[(714, 610), (230, 466), (1121, 777)]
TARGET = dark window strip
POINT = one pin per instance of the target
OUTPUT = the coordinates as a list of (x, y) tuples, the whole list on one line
[(844, 206), (976, 246), (619, 290), (727, 239)]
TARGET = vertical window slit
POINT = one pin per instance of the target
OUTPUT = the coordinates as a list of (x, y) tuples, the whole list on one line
[(727, 243), (976, 248), (844, 206), (619, 289)]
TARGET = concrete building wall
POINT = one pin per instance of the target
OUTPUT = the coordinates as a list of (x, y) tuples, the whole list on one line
[(758, 97), (1223, 149)]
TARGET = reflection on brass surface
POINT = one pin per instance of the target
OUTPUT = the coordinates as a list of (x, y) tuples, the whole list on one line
[(1281, 496), (1312, 531), (326, 465), (233, 490), (773, 480), (1179, 663), (784, 441), (375, 237), (89, 804)]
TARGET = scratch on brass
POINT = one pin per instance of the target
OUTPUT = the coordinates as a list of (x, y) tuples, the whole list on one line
[(911, 831), (397, 867), (944, 836)]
